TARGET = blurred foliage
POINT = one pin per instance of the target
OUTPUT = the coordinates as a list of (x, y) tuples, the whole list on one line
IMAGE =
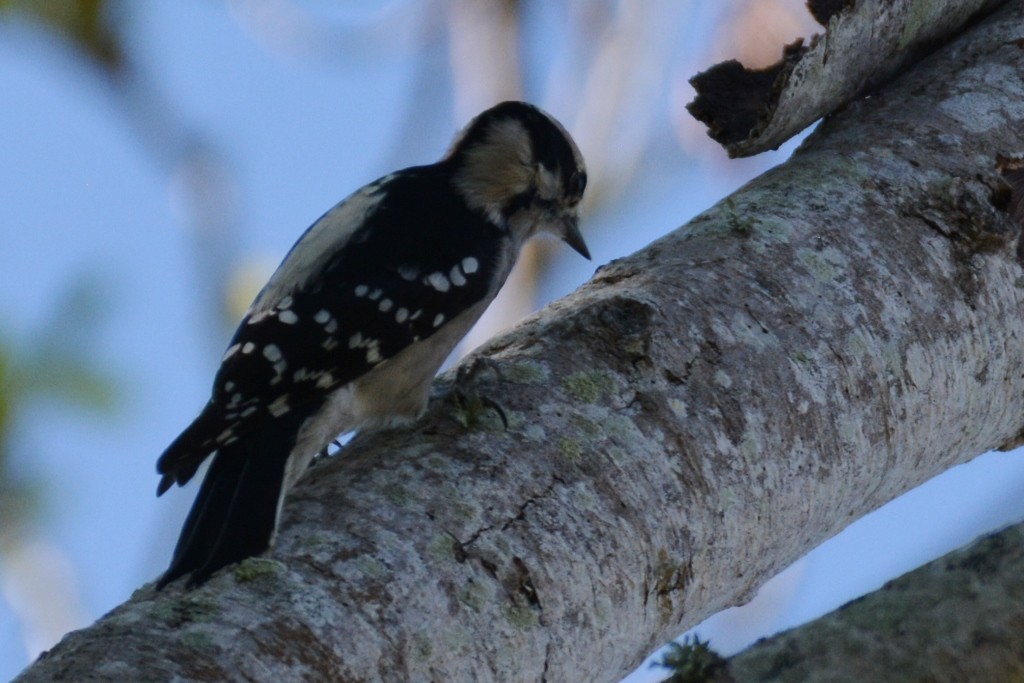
[(85, 24), (691, 661), (52, 363)]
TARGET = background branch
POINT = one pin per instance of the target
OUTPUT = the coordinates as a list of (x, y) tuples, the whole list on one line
[(955, 619)]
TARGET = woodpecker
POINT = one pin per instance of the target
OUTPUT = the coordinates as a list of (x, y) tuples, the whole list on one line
[(352, 327)]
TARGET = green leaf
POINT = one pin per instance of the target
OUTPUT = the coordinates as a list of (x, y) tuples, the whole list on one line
[(86, 24)]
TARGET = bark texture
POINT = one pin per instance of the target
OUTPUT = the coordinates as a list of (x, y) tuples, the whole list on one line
[(866, 43), (956, 619), (681, 428)]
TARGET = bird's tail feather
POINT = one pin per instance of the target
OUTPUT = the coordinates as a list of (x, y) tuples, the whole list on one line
[(179, 462), (235, 513)]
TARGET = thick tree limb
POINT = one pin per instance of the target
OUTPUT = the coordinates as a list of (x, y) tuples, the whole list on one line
[(866, 43), (681, 428), (955, 619)]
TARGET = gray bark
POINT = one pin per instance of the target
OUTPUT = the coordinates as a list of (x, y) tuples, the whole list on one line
[(955, 619), (866, 43), (684, 426)]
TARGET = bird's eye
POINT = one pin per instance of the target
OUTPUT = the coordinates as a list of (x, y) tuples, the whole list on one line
[(577, 183)]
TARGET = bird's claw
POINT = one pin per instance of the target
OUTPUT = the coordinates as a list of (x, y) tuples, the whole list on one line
[(469, 371), (469, 407)]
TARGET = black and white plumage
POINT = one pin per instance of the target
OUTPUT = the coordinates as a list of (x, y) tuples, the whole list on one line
[(352, 327)]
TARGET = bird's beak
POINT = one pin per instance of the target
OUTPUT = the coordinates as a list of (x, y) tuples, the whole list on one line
[(571, 236)]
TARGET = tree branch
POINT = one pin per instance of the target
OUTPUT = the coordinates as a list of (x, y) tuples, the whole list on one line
[(684, 426), (866, 43), (954, 619)]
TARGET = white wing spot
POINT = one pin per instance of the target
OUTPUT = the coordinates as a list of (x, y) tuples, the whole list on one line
[(249, 411), (438, 281), (288, 317), (401, 315), (331, 326), (326, 380), (248, 347), (225, 435), (373, 355), (419, 311), (272, 353), (361, 290), (229, 386), (284, 304), (257, 317), (355, 341), (456, 276), (385, 305), (375, 294), (470, 265), (322, 316), (279, 407), (438, 319), (329, 344), (408, 273), (232, 350)]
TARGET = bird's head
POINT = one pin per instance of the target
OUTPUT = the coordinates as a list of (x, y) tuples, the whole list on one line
[(520, 167)]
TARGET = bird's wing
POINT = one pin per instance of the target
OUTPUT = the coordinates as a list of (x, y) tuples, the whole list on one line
[(321, 242), (378, 287)]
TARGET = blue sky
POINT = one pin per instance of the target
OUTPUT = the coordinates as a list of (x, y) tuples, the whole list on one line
[(89, 192)]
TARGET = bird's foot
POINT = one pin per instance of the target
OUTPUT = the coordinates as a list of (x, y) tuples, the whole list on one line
[(469, 371), (469, 407)]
